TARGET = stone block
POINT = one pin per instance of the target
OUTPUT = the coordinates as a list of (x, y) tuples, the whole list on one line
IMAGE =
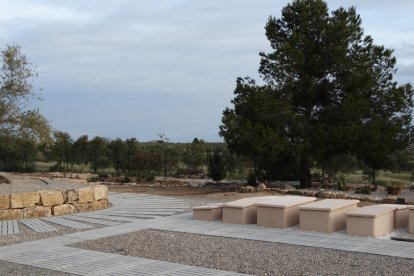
[(70, 196), (4, 201), (86, 194), (83, 207), (11, 214), (51, 198), (100, 192), (38, 211), (100, 204), (63, 209), (22, 200)]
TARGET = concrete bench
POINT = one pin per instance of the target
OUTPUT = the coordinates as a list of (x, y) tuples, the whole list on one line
[(242, 211), (208, 213), (400, 215), (327, 215), (370, 221), (411, 219), (281, 211)]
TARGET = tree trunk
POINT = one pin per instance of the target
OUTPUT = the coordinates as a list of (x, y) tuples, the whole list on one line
[(305, 177), (373, 177)]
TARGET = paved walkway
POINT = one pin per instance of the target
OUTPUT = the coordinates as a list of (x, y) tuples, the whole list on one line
[(54, 254)]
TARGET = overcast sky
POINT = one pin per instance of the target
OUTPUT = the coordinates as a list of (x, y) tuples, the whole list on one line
[(136, 68)]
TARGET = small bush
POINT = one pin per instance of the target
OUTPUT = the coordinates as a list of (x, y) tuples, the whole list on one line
[(363, 191), (93, 179)]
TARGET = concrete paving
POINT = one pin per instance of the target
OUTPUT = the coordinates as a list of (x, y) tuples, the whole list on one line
[(54, 254)]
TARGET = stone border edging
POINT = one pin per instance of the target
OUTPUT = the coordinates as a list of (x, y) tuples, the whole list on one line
[(46, 203)]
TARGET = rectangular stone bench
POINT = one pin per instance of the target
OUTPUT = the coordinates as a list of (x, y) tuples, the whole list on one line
[(411, 219), (400, 215), (327, 215), (370, 221), (242, 211), (281, 211), (208, 213)]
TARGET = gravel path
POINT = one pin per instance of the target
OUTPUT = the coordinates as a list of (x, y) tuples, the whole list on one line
[(247, 256), (26, 183)]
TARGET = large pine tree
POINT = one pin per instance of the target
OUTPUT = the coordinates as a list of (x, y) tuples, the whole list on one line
[(329, 90)]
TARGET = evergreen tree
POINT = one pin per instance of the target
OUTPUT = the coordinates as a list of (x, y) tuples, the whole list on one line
[(329, 91)]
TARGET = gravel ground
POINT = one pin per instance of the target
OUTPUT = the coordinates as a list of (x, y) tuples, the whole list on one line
[(25, 183), (246, 256)]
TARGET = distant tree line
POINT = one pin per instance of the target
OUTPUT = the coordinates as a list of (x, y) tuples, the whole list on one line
[(127, 157)]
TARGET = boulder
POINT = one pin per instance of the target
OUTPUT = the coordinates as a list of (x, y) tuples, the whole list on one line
[(261, 187), (11, 214), (38, 211), (83, 207), (100, 204), (250, 189), (21, 200), (86, 194), (70, 196), (63, 209), (389, 199), (51, 198), (100, 192), (4, 201), (341, 195)]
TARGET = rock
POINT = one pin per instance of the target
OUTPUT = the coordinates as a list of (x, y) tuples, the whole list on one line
[(341, 195), (100, 204), (261, 187), (51, 198), (380, 188), (377, 199), (4, 201), (38, 211), (70, 196), (63, 209), (100, 192), (86, 194), (288, 187), (250, 189), (11, 214), (400, 200), (21, 200), (389, 199), (83, 207)]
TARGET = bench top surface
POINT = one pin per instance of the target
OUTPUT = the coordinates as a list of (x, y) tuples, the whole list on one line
[(371, 211), (209, 207), (286, 201), (397, 206), (329, 204), (247, 202)]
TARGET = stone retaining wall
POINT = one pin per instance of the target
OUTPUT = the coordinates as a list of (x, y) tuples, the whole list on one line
[(53, 203)]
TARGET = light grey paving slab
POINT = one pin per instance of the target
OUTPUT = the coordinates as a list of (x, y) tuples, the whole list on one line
[(67, 222), (9, 227), (90, 220), (109, 217), (87, 262), (38, 225)]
